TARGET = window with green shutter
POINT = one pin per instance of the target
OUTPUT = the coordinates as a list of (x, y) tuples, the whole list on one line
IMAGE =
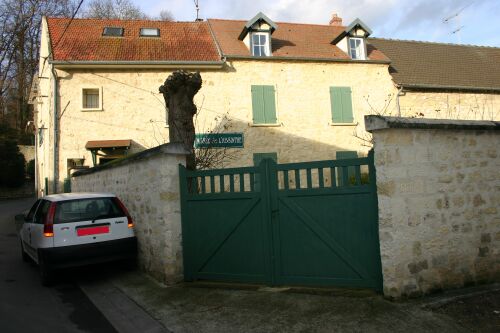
[(341, 101), (263, 105)]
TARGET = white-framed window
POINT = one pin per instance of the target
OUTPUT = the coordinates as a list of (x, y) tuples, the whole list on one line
[(357, 48), (260, 44), (149, 32), (92, 99)]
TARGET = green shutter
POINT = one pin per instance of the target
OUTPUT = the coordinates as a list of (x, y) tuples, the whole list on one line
[(341, 103), (258, 105), (258, 157), (263, 105), (336, 102), (270, 104), (346, 105)]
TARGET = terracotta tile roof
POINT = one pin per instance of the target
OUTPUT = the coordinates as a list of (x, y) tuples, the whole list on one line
[(178, 41), (442, 65), (99, 144), (293, 40)]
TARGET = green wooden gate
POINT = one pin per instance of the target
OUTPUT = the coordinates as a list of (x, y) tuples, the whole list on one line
[(311, 223)]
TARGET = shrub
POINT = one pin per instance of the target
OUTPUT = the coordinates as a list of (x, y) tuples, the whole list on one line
[(12, 165)]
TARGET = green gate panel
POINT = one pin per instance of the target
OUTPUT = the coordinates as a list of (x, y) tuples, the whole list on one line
[(321, 233), (328, 240), (226, 240)]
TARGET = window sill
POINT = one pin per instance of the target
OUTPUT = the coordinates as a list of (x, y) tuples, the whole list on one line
[(343, 124), (86, 110), (266, 125)]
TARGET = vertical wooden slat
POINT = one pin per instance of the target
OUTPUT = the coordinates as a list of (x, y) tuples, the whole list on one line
[(309, 178), (252, 182), (212, 184), (285, 179), (242, 183), (357, 171), (221, 182), (345, 176), (333, 176), (321, 182), (297, 179), (231, 183), (203, 185)]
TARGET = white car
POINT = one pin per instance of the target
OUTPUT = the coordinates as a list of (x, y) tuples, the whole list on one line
[(75, 229)]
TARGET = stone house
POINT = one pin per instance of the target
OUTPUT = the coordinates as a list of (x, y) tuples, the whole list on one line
[(296, 92), (437, 80)]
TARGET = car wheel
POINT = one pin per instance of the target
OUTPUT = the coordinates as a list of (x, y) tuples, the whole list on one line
[(46, 276), (24, 255)]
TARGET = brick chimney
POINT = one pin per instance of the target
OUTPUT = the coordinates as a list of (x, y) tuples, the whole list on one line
[(336, 21)]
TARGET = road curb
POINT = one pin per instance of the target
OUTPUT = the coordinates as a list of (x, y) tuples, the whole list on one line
[(124, 314)]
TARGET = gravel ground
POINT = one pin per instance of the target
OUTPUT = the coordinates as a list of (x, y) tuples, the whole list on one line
[(478, 313)]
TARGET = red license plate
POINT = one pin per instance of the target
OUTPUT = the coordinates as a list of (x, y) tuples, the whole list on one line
[(103, 229)]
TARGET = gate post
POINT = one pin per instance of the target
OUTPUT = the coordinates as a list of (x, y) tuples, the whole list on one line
[(373, 184), (186, 256)]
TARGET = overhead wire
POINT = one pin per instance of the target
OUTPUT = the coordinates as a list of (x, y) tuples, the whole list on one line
[(62, 35)]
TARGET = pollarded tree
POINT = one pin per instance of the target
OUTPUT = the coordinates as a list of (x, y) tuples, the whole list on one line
[(178, 91)]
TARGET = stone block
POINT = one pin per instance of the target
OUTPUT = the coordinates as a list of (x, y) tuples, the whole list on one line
[(416, 267)]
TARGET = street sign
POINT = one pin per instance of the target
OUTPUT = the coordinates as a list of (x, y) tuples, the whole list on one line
[(218, 140)]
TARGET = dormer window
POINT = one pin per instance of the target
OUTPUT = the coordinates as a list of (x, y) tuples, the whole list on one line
[(260, 44), (256, 35), (357, 48), (353, 40)]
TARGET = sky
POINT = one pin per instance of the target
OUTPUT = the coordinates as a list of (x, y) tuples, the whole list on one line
[(448, 21)]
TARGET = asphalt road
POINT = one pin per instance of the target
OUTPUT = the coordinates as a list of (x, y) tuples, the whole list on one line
[(27, 306)]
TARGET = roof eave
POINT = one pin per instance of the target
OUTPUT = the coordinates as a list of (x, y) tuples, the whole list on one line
[(61, 64), (281, 58), (446, 87)]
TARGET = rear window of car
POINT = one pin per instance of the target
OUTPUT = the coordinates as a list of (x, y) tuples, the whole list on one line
[(87, 209)]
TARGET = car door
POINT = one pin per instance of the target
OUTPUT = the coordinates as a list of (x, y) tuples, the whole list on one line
[(38, 240), (25, 231)]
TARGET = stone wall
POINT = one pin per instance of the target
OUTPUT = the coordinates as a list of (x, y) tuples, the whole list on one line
[(439, 203), (148, 185)]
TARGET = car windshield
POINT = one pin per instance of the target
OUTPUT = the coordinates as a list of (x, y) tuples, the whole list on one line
[(86, 210)]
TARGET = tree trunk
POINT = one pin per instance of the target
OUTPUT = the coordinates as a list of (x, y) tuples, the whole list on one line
[(179, 90)]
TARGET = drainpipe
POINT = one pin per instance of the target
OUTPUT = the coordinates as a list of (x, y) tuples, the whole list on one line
[(400, 93), (37, 190), (56, 129)]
